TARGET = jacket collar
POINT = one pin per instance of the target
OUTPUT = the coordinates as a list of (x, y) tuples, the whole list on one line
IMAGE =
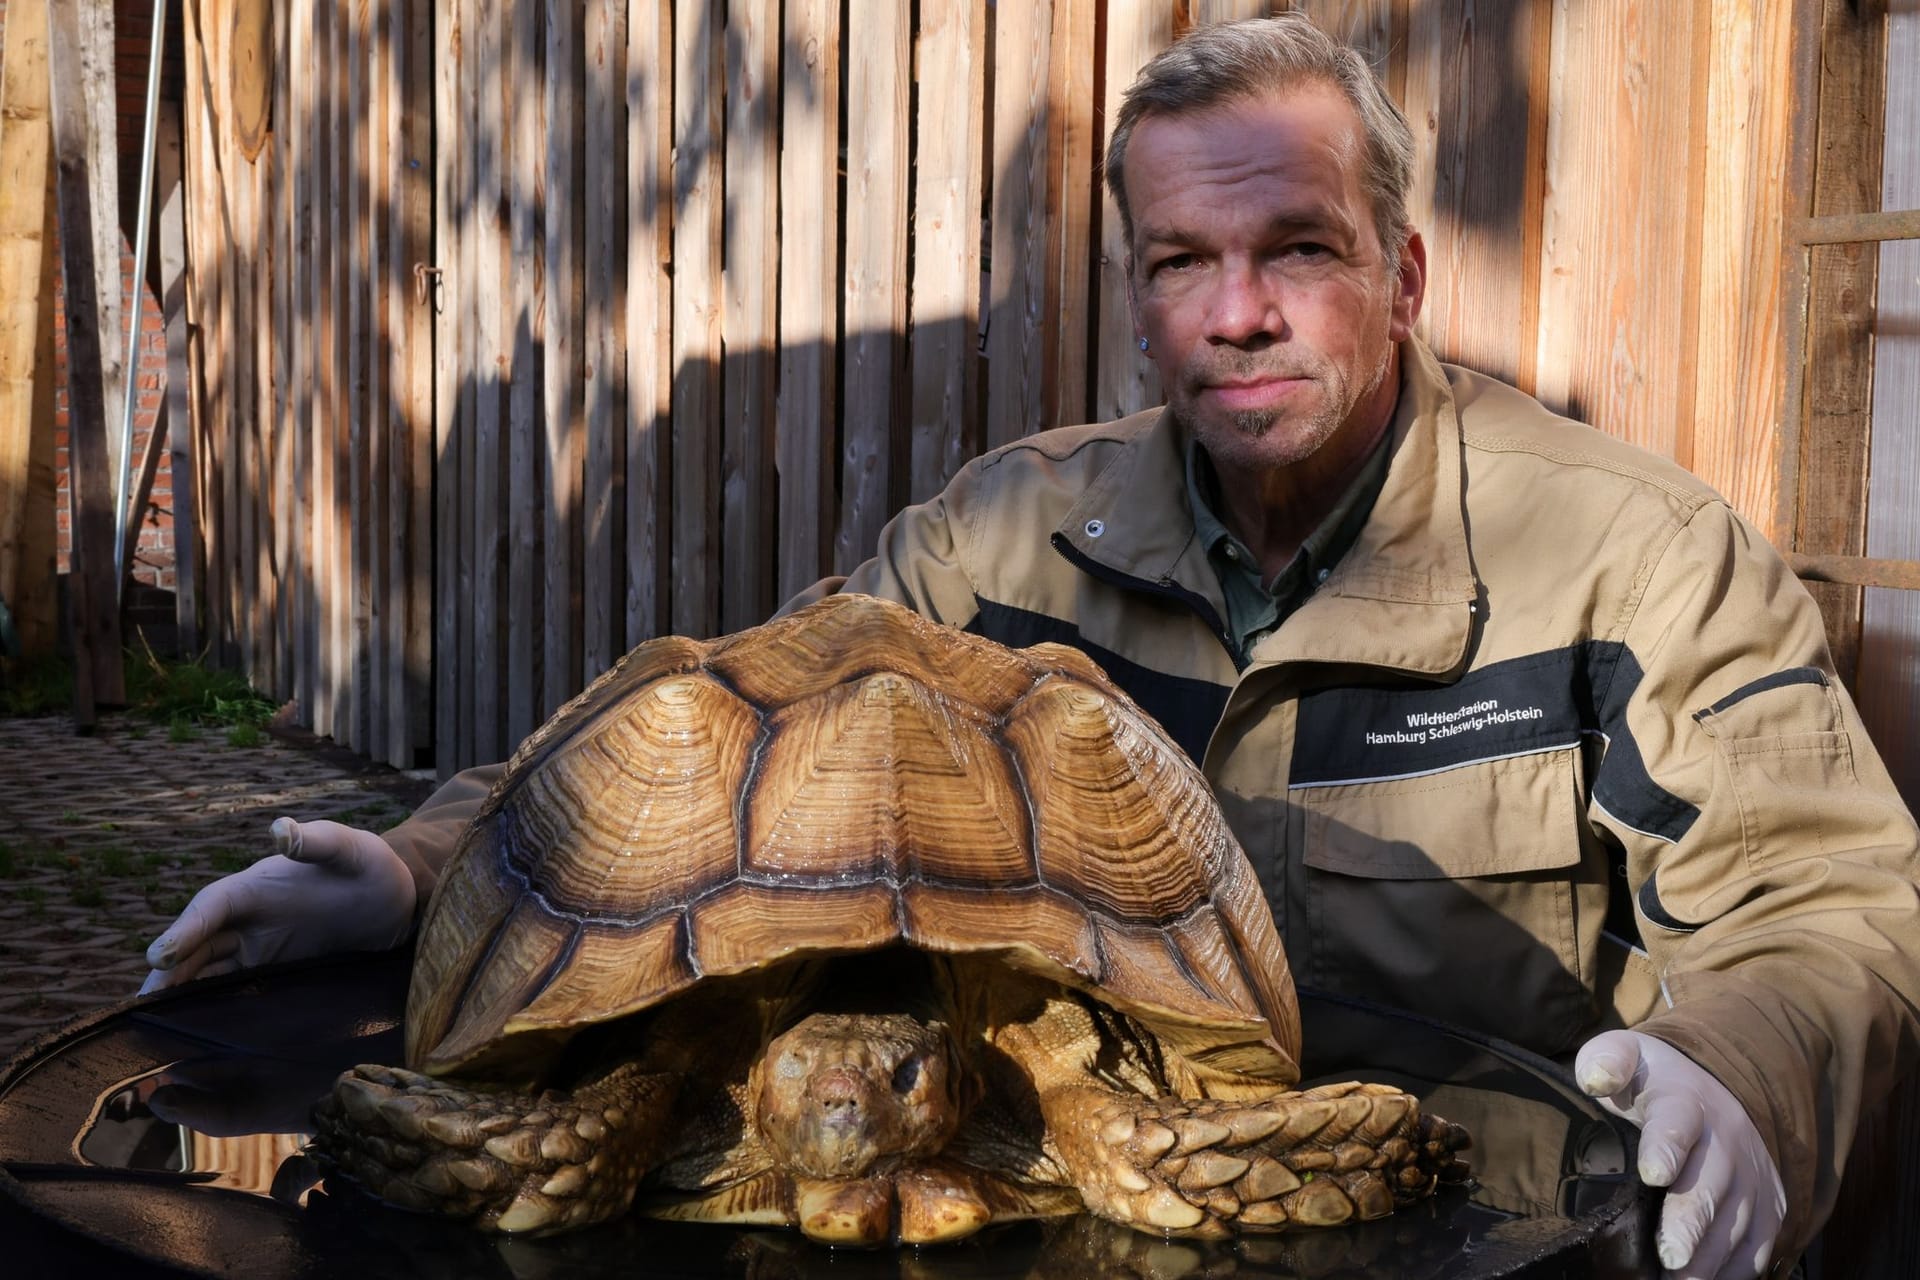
[(1402, 596)]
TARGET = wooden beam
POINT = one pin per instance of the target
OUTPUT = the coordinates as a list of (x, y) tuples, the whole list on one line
[(1831, 513), (698, 39), (26, 323), (171, 229), (92, 596)]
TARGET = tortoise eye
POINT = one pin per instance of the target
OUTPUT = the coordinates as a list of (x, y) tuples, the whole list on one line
[(906, 1075)]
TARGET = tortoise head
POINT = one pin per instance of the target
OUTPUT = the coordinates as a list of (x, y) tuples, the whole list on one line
[(843, 1094)]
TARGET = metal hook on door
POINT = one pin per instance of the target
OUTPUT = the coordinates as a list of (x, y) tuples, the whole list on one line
[(421, 271)]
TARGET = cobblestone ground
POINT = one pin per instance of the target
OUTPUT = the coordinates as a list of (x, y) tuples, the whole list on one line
[(103, 838)]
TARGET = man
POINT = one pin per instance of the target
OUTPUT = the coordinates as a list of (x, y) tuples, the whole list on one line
[(1483, 692)]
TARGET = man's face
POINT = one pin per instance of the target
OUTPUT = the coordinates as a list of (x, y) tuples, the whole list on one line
[(1258, 277)]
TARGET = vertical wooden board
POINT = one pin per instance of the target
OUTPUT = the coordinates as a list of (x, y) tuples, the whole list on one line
[(279, 286), (1367, 25), (1476, 100), (945, 305), (377, 25), (37, 613), (561, 374), (1739, 385), (1073, 192), (26, 256), (450, 327), (300, 338), (494, 357), (93, 595), (751, 321), (471, 372), (99, 91), (809, 282), (171, 239), (1016, 395), (523, 74), (1124, 380), (357, 154), (874, 296), (697, 175), (343, 275), (1830, 513), (1208, 12), (415, 211), (604, 104), (1889, 684), (1614, 336), (649, 314)]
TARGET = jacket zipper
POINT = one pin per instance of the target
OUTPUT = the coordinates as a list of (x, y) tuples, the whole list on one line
[(1165, 588)]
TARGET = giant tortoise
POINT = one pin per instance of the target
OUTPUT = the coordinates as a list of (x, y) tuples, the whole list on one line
[(873, 927)]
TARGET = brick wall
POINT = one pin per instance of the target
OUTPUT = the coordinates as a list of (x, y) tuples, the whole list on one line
[(154, 555)]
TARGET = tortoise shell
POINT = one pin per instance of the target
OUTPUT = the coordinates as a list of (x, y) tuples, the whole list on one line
[(847, 778)]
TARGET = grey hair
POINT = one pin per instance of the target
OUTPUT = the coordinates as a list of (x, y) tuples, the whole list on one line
[(1233, 61)]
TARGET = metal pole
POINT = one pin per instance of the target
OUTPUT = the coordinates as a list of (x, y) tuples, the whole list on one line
[(124, 483)]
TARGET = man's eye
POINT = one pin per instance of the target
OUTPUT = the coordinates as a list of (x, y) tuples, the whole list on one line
[(1307, 249), (1176, 262)]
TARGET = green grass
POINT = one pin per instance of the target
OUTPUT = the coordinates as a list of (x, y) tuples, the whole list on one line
[(86, 892), (245, 735), (113, 860), (166, 692), (36, 899), (40, 686), (182, 729), (9, 861), (227, 860)]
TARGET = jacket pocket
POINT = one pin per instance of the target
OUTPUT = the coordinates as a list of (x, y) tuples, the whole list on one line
[(1454, 895), (1789, 761)]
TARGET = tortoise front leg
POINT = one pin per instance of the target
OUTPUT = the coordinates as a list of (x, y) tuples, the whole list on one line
[(1207, 1168), (510, 1162)]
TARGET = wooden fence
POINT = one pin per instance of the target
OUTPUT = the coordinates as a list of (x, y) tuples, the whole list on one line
[(527, 331)]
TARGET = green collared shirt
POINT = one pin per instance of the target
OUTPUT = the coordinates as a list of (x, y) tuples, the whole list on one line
[(1254, 607)]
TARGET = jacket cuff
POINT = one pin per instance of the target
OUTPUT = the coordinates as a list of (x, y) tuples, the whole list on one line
[(428, 839)]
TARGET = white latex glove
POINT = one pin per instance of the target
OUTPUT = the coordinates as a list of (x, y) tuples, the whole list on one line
[(1724, 1202), (327, 887)]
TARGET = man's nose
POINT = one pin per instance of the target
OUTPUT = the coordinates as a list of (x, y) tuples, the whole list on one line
[(1246, 307)]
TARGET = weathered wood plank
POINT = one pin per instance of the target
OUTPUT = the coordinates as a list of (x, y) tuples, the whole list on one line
[(874, 288), (99, 88), (36, 606), (1740, 347), (1614, 336), (357, 156), (751, 321), (945, 304), (698, 38), (26, 320), (493, 354), (1124, 380), (1830, 517), (604, 106), (1367, 25), (561, 371), (278, 285), (1016, 393), (809, 277), (408, 69), (1073, 195), (93, 597), (523, 68), (301, 337), (343, 281), (1476, 96), (649, 318), (450, 328)]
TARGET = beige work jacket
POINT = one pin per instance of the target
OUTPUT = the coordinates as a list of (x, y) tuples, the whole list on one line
[(1556, 746)]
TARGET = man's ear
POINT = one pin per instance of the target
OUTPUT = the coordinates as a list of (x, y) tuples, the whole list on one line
[(1409, 292)]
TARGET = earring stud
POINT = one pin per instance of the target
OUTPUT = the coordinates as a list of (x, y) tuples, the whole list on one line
[(1143, 344)]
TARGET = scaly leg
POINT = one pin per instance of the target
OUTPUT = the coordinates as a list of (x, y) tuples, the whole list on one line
[(510, 1162), (1207, 1168)]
